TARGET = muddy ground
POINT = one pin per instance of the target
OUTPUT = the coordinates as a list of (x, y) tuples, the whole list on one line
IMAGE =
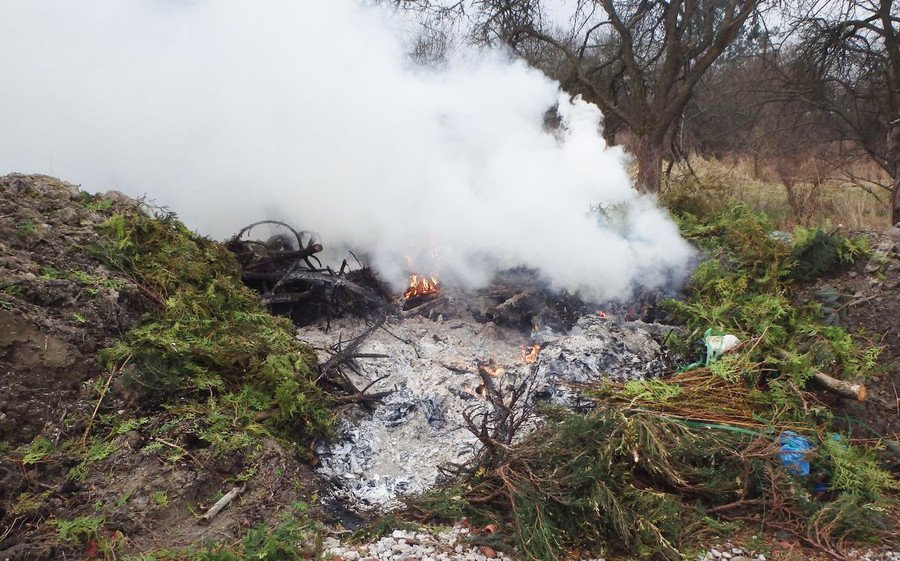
[(60, 305), (865, 299)]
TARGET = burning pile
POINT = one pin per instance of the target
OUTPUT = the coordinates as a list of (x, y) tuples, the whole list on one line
[(424, 385), (421, 285), (529, 354)]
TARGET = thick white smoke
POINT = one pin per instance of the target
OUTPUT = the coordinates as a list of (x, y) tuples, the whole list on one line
[(310, 111)]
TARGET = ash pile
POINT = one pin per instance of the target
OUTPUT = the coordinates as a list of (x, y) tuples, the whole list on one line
[(423, 376)]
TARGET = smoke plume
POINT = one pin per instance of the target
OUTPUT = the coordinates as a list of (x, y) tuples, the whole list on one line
[(310, 111)]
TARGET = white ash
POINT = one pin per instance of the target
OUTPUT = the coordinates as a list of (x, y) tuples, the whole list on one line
[(599, 348), (398, 450)]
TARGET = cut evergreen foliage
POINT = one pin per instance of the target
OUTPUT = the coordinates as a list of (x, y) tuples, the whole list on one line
[(744, 287), (635, 481), (659, 461), (205, 337)]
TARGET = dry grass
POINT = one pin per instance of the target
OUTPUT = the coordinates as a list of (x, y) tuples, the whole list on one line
[(826, 202)]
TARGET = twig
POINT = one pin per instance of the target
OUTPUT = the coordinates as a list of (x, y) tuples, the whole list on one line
[(177, 447), (856, 302), (11, 527), (363, 397), (222, 503), (372, 383), (90, 424)]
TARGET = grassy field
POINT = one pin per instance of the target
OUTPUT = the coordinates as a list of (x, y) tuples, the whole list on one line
[(831, 203)]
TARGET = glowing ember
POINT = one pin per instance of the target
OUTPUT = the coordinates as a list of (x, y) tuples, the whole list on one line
[(493, 371), (420, 285), (529, 354)]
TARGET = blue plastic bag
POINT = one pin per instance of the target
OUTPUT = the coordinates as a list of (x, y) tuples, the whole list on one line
[(793, 453)]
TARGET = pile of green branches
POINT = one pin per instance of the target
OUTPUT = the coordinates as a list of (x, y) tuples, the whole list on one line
[(205, 338), (660, 462), (746, 286), (631, 480)]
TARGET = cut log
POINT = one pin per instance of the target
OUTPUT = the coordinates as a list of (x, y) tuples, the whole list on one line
[(840, 387), (504, 308)]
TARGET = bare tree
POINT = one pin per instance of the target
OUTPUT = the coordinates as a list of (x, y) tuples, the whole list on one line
[(848, 67), (640, 61)]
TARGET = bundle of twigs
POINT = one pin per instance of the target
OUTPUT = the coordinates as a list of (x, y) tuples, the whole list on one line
[(696, 395)]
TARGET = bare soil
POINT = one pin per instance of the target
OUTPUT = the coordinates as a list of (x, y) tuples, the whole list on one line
[(865, 299), (59, 306)]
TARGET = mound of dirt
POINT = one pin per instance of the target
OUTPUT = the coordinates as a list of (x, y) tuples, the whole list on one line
[(141, 480), (59, 303)]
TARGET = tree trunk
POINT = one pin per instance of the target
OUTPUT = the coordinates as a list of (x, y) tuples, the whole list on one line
[(895, 200), (892, 149), (649, 156)]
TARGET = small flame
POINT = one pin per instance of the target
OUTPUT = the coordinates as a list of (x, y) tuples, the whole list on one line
[(420, 285), (529, 355), (493, 371)]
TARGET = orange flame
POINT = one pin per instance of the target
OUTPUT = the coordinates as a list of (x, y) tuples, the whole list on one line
[(529, 355), (493, 371), (420, 285)]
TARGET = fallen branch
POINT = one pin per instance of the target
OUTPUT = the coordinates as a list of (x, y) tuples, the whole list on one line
[(277, 256), (422, 308), (347, 352), (222, 503), (286, 298), (840, 387), (298, 235)]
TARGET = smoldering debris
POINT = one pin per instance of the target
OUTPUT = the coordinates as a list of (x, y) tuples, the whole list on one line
[(430, 375), (452, 161)]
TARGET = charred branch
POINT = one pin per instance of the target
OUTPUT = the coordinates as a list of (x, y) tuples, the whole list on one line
[(425, 308), (281, 269)]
